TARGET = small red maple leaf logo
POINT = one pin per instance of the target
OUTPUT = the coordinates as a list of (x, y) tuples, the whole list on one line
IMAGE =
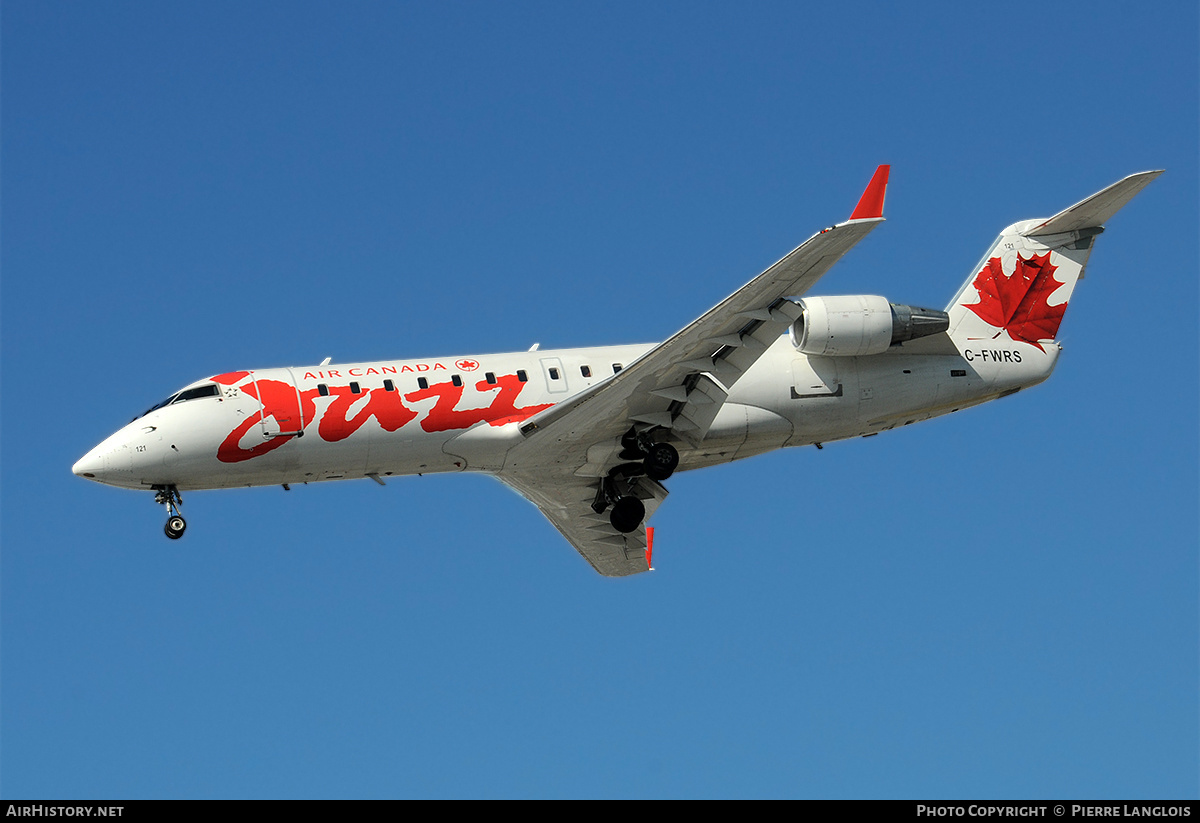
[(1017, 302), (467, 365)]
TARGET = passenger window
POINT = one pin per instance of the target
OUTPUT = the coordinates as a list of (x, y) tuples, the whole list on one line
[(617, 367), (586, 371), (521, 375), (354, 389), (491, 378), (422, 383), (456, 380), (554, 374), (388, 385), (322, 390)]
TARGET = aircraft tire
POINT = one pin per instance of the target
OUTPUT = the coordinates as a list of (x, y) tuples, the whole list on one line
[(175, 526), (661, 462), (627, 514)]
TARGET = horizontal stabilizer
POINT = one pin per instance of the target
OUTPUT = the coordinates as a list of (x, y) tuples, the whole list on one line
[(1097, 209)]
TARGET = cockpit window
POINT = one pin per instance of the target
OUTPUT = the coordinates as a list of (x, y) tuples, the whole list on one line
[(158, 406), (200, 391), (209, 390)]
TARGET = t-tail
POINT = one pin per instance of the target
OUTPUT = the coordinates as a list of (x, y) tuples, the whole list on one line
[(1019, 291)]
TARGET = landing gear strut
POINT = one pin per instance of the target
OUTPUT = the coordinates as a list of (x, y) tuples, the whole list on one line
[(169, 496)]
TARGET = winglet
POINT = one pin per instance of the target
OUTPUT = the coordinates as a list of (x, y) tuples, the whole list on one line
[(870, 205)]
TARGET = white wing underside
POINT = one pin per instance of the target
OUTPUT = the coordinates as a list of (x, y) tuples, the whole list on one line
[(678, 385), (566, 500)]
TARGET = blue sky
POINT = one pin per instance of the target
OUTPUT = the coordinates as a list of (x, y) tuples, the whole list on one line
[(998, 604)]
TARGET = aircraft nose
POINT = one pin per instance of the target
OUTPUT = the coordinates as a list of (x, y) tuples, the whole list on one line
[(111, 462), (91, 465)]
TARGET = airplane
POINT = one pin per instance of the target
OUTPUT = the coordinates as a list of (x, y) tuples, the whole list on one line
[(590, 436)]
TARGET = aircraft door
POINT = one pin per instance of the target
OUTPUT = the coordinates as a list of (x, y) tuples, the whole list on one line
[(556, 377), (282, 414)]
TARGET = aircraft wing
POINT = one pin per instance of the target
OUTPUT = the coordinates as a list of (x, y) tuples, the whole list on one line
[(678, 385)]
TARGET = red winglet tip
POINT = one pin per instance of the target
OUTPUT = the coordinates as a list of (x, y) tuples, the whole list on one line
[(871, 202), (649, 547)]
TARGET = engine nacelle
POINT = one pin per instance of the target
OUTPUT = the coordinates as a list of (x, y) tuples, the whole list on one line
[(858, 324)]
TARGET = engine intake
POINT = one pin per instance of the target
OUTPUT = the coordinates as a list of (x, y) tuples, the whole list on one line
[(858, 324)]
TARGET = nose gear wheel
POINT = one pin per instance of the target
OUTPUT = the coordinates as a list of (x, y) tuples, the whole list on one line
[(170, 497)]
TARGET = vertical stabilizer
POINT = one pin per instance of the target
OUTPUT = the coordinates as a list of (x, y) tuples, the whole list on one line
[(1021, 287)]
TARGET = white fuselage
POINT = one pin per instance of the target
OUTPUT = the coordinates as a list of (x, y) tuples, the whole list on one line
[(332, 422)]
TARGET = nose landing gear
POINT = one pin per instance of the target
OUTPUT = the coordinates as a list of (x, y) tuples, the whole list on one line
[(169, 496)]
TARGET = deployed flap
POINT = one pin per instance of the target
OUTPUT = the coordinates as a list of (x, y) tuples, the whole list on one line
[(1097, 209), (698, 409)]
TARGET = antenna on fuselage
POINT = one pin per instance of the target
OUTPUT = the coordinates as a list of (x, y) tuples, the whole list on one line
[(534, 346), (325, 362)]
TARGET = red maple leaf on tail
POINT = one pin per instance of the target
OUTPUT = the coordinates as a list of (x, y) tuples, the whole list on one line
[(1017, 302)]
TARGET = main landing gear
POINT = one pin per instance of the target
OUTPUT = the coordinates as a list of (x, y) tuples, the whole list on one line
[(658, 459), (619, 489), (169, 496), (661, 462)]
